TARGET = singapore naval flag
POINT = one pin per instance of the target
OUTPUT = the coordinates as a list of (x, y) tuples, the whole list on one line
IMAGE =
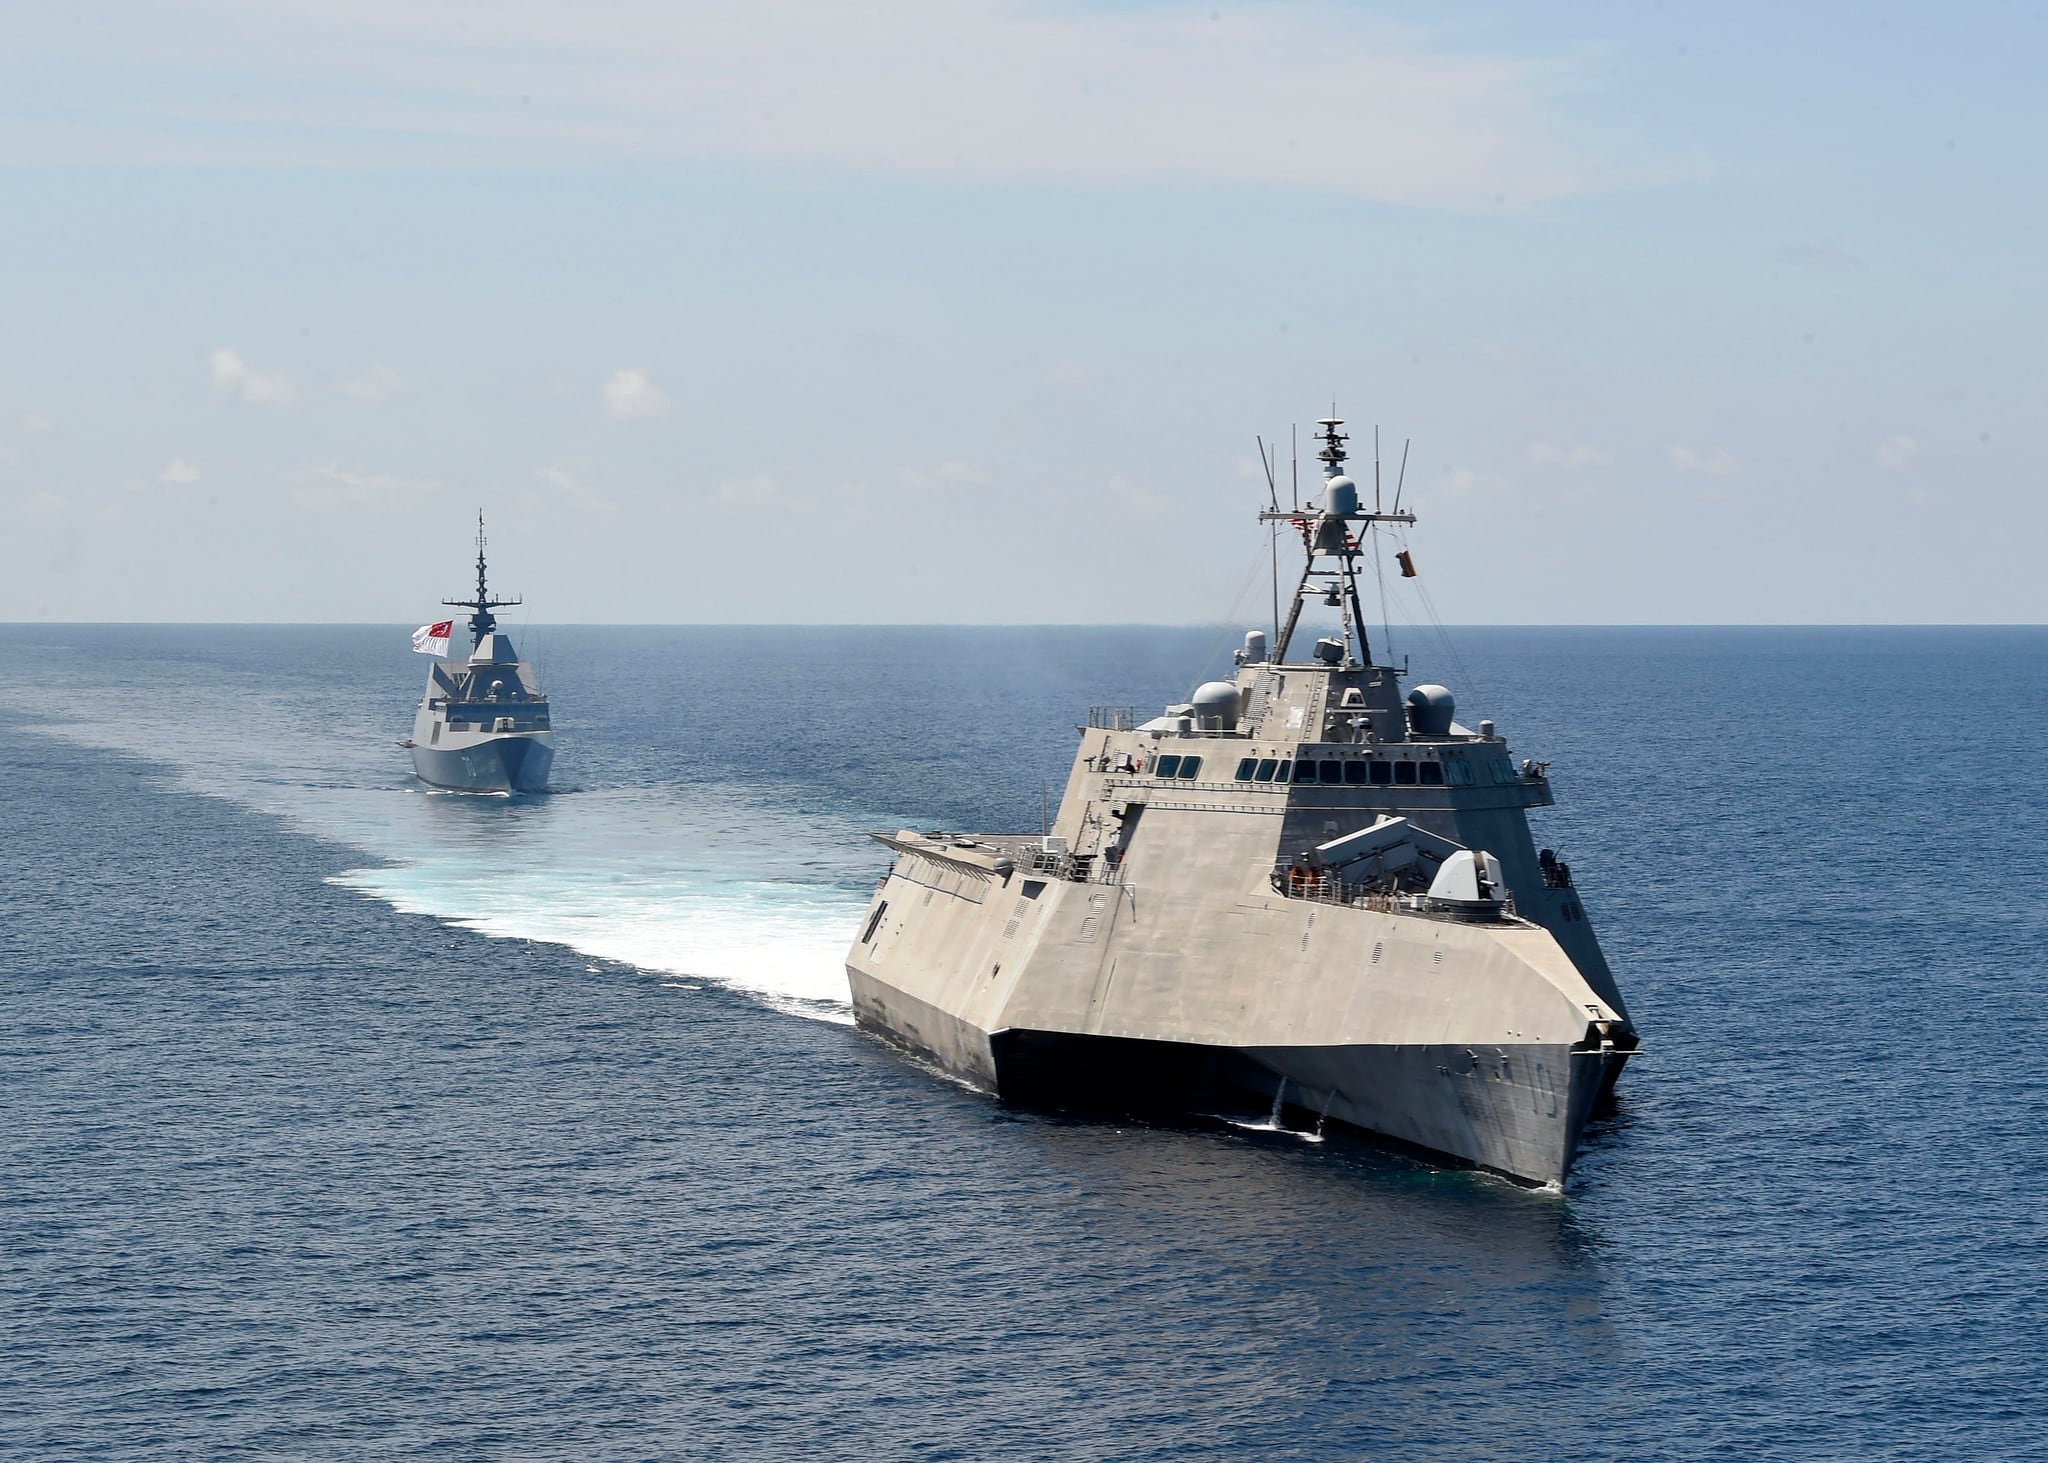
[(433, 639)]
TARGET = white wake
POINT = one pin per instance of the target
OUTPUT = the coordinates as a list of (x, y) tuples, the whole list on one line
[(707, 882)]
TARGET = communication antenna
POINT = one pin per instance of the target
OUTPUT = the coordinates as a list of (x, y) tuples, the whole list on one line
[(482, 622), (1294, 446), (1403, 477), (1331, 541), (1273, 528), (1272, 488), (1375, 467)]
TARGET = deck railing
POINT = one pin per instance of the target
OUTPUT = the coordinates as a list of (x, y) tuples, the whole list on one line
[(1318, 887)]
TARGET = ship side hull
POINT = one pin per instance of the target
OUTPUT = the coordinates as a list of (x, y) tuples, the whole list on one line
[(1470, 1042), (1517, 1110), (956, 1046), (517, 762)]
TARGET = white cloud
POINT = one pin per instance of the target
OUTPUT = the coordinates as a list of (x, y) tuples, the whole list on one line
[(1821, 256), (584, 497), (1248, 467), (764, 490), (233, 375), (329, 486), (33, 425), (1133, 502), (949, 474), (1313, 94), (1895, 451), (1716, 462), (1579, 456), (1467, 482), (376, 385), (179, 472), (758, 491), (630, 394), (45, 504), (1069, 373)]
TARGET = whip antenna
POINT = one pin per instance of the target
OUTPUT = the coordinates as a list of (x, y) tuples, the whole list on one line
[(1272, 529), (1272, 488)]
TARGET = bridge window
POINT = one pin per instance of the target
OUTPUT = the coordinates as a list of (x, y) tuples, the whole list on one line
[(1267, 767), (1355, 773), (1382, 772), (1282, 775), (1246, 768), (1330, 772), (1306, 772), (1404, 773), (1190, 767), (1166, 766), (1432, 774)]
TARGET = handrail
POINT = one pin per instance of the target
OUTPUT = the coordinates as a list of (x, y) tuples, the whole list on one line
[(1319, 888)]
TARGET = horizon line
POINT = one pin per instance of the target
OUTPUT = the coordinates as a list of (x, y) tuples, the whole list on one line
[(1040, 624)]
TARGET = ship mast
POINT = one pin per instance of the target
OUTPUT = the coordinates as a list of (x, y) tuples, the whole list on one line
[(481, 622), (1332, 547)]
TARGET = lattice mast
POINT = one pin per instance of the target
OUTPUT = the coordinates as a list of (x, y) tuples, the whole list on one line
[(481, 621), (1332, 538)]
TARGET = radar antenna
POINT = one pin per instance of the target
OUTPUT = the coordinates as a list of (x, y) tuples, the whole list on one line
[(481, 622), (1331, 538)]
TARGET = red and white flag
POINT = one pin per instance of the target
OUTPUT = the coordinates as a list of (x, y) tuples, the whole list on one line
[(433, 639)]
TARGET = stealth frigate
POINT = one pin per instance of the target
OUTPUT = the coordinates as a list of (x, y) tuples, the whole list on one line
[(482, 725), (1300, 886)]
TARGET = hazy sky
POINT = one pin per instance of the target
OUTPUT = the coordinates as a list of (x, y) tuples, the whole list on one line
[(969, 310)]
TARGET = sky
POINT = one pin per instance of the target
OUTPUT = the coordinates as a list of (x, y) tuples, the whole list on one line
[(973, 311)]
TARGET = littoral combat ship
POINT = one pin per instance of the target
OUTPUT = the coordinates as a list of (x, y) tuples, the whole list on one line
[(1299, 887), (482, 725)]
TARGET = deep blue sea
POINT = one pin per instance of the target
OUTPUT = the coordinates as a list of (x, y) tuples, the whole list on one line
[(339, 1119)]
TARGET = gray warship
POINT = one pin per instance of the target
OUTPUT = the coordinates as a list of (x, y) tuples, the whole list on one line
[(482, 725), (1300, 887)]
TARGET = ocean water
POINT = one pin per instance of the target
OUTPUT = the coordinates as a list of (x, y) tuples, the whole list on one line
[(343, 1119)]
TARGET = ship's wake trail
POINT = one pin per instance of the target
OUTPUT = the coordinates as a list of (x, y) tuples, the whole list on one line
[(707, 882), (773, 934)]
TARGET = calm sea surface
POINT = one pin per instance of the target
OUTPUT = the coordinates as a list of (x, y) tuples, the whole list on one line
[(339, 1119)]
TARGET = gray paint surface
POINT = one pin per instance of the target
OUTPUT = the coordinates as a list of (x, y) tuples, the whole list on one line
[(484, 723), (1161, 912)]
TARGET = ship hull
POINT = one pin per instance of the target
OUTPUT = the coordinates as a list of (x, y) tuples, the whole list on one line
[(503, 763), (1480, 1042), (1517, 1111)]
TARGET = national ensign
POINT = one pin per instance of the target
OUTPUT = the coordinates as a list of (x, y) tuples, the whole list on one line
[(433, 639)]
